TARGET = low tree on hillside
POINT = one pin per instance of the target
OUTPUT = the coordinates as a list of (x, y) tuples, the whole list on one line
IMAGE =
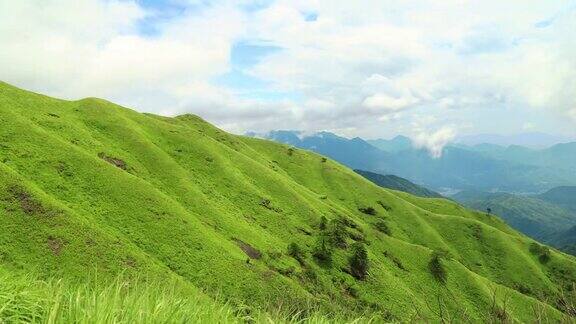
[(295, 251), (381, 226), (323, 223), (437, 268), (337, 232), (368, 210), (323, 249), (359, 263)]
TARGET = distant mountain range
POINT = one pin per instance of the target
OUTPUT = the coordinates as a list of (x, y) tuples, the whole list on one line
[(532, 140), (398, 183), (354, 153), (485, 167), (397, 144), (549, 217)]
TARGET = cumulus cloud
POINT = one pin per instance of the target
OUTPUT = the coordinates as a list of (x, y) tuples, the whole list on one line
[(360, 68), (94, 48), (572, 114), (387, 103), (435, 141)]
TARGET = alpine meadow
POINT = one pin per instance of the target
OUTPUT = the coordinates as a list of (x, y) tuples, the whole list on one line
[(287, 161), (239, 228)]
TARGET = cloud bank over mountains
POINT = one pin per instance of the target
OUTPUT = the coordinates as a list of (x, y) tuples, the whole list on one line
[(428, 69)]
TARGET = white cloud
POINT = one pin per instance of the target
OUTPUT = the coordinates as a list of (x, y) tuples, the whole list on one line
[(528, 126), (385, 55), (387, 103), (435, 141), (572, 114), (93, 48), (366, 68)]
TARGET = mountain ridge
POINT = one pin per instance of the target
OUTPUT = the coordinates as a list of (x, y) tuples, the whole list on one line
[(91, 186), (488, 167), (398, 183)]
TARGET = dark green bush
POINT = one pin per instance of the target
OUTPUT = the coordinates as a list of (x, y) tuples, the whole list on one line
[(337, 233), (381, 226), (323, 249), (348, 222), (545, 255), (367, 210), (359, 263), (323, 223), (356, 236), (386, 207), (541, 251), (295, 251), (309, 274), (534, 248), (436, 268)]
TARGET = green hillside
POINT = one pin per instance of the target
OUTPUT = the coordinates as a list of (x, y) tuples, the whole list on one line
[(90, 191), (532, 216), (397, 183)]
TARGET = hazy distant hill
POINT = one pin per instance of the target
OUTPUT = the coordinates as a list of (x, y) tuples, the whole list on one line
[(533, 140), (561, 157), (564, 240), (530, 215), (397, 183), (562, 196), (545, 220), (485, 167), (354, 153), (397, 144)]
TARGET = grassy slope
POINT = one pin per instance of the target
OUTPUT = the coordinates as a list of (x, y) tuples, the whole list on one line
[(26, 299), (189, 190)]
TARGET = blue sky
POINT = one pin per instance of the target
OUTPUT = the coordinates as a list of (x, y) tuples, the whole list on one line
[(375, 68)]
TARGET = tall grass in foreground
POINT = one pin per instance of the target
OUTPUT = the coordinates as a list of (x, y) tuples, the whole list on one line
[(26, 299)]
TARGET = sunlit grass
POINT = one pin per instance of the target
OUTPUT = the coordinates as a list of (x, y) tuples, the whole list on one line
[(25, 299), (30, 300)]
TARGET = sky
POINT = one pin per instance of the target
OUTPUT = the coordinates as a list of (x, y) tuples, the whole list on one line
[(432, 70)]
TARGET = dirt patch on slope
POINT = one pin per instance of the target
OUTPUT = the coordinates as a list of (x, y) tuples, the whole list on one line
[(55, 245), (29, 205), (250, 251), (114, 161)]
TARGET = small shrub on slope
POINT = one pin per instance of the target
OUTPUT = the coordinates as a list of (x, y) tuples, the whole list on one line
[(541, 251), (368, 210), (359, 263), (323, 223), (436, 268), (386, 207), (295, 251), (382, 227), (337, 233), (323, 249)]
